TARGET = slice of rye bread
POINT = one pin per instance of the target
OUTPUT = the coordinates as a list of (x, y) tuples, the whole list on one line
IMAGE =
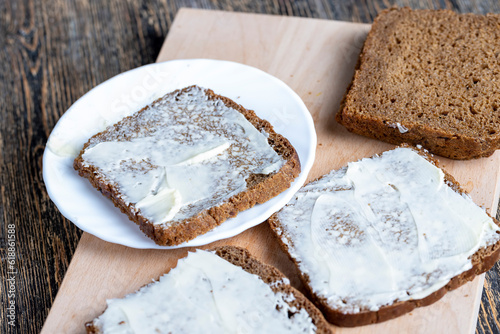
[(268, 274), (428, 77), (480, 261), (259, 187)]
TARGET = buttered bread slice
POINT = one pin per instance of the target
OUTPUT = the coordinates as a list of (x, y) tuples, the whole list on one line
[(224, 291), (384, 235), (187, 162)]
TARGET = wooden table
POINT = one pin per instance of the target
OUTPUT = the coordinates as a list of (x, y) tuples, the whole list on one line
[(51, 55)]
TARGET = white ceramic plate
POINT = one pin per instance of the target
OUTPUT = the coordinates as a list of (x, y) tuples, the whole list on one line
[(127, 93)]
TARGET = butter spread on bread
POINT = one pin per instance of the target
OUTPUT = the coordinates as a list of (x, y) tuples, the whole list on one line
[(381, 231), (201, 156), (187, 162), (205, 293)]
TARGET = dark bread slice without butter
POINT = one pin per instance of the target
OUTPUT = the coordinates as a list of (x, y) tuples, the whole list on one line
[(200, 155), (428, 77), (382, 236), (291, 307)]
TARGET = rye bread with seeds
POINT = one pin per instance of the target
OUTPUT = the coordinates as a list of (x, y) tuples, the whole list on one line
[(259, 187), (289, 234), (271, 276)]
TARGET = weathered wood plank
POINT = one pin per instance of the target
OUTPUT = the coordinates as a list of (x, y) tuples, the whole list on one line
[(51, 53)]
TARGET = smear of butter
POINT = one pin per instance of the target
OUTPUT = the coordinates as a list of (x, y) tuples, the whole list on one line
[(160, 191), (205, 294), (383, 229), (200, 148), (162, 206), (350, 240), (61, 148), (67, 140), (206, 155)]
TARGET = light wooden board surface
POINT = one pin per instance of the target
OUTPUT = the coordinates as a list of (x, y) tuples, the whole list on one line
[(316, 58)]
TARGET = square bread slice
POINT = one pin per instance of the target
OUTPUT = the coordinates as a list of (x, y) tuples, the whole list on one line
[(428, 77), (384, 235), (184, 164), (225, 290)]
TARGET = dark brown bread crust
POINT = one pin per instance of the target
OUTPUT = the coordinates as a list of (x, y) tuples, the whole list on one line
[(434, 72), (260, 188), (482, 261), (270, 275)]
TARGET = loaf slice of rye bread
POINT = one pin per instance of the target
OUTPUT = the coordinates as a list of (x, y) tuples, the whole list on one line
[(271, 276), (259, 187), (428, 77), (290, 234)]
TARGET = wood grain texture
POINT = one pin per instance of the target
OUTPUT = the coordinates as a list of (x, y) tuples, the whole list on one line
[(51, 53)]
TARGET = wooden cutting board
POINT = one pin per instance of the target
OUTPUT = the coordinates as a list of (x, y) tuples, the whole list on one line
[(316, 58)]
